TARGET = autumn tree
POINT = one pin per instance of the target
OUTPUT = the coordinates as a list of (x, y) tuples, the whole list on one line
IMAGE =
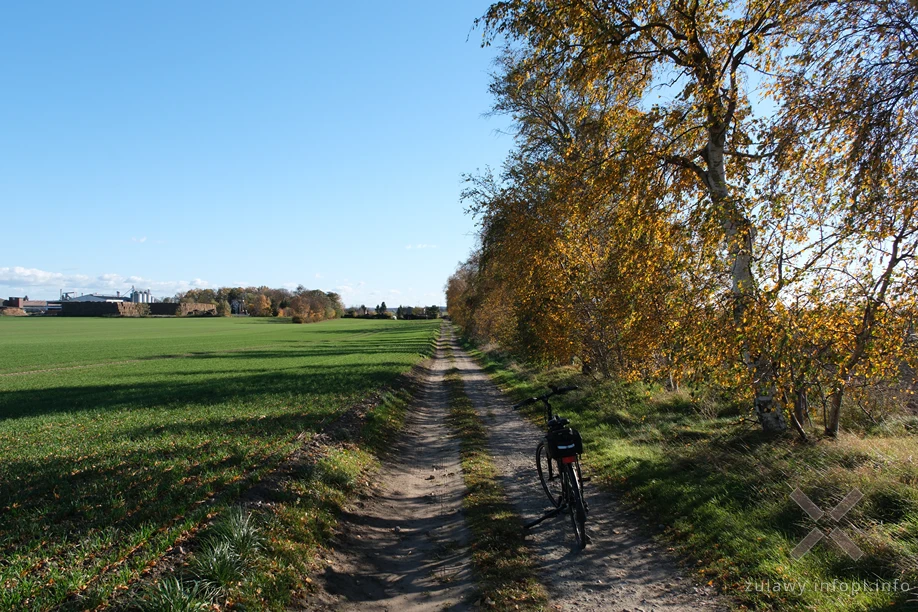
[(260, 306), (335, 303), (459, 296), (200, 296), (695, 56), (649, 221), (314, 305), (847, 172)]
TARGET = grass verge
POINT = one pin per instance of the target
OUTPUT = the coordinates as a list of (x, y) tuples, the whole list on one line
[(259, 555), (505, 568), (721, 492)]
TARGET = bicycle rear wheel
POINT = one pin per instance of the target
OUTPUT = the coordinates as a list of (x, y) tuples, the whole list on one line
[(576, 505), (548, 475)]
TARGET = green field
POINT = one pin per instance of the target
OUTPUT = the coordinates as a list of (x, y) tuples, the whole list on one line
[(118, 435)]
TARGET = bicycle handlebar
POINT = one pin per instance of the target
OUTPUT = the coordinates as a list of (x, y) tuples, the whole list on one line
[(554, 391), (531, 400), (564, 389)]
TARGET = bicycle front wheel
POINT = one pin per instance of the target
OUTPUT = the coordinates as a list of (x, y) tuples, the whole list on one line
[(576, 505), (548, 475)]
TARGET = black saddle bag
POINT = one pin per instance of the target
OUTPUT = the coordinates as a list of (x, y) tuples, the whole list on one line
[(565, 442)]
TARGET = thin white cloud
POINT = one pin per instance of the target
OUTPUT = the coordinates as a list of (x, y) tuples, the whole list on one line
[(395, 292), (140, 240), (33, 277), (421, 246), (49, 283), (318, 275)]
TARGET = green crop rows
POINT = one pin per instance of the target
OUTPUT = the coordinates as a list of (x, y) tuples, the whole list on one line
[(118, 435)]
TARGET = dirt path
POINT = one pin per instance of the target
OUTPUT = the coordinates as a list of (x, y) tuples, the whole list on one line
[(405, 547), (621, 569)]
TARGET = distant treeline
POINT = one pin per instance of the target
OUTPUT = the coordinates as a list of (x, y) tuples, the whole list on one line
[(402, 312), (303, 305)]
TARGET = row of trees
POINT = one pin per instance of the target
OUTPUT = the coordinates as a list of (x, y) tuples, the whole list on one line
[(402, 312), (304, 305), (705, 191)]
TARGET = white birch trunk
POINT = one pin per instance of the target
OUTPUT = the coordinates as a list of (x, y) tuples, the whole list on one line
[(738, 232)]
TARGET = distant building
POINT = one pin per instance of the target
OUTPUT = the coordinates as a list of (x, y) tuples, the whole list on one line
[(141, 297), (29, 306), (97, 297), (136, 296)]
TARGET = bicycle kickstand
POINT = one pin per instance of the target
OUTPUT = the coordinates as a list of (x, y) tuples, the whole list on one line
[(547, 515)]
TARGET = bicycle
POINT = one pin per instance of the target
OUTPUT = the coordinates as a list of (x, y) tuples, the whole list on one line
[(558, 465)]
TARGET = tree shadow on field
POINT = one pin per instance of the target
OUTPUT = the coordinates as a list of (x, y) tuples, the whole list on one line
[(77, 490), (78, 513), (390, 327), (312, 351), (242, 387), (264, 321)]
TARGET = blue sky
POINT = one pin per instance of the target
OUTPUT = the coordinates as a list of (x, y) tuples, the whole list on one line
[(176, 144)]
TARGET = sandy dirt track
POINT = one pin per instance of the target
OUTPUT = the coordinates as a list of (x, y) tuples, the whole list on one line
[(405, 546), (620, 569)]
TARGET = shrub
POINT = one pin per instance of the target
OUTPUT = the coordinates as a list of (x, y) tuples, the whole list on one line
[(218, 565), (176, 596), (240, 529)]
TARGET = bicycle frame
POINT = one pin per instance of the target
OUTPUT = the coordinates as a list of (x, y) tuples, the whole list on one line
[(570, 498)]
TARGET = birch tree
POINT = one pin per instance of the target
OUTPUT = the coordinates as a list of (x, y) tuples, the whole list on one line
[(693, 56), (848, 134)]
